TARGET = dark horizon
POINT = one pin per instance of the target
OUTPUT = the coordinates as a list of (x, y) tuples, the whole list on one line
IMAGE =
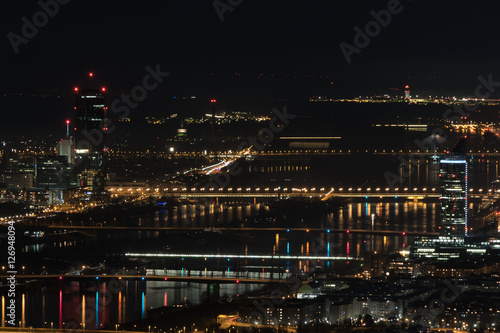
[(425, 45)]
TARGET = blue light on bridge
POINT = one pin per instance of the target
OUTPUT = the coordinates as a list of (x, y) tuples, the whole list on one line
[(328, 230), (142, 278), (97, 278), (96, 310), (143, 305)]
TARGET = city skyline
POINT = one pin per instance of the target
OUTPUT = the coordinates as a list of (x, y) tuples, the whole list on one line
[(228, 166)]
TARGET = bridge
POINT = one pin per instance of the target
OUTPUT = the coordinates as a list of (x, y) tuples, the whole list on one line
[(194, 279), (484, 152), (244, 256), (410, 193), (223, 229)]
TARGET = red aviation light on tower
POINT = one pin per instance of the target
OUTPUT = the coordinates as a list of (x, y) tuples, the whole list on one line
[(103, 89), (91, 74), (213, 101), (67, 122), (76, 89)]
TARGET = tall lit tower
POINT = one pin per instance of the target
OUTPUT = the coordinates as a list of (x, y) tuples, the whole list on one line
[(66, 147), (407, 92), (452, 241), (453, 179), (90, 114)]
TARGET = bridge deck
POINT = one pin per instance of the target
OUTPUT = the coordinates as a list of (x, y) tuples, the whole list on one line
[(196, 279), (223, 229)]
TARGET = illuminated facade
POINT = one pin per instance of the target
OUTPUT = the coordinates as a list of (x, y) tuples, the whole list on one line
[(453, 178), (90, 137), (407, 92), (66, 147), (451, 243)]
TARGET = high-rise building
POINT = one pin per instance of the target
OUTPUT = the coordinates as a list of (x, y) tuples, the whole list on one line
[(53, 173), (453, 229), (66, 147), (90, 137), (453, 179), (407, 92)]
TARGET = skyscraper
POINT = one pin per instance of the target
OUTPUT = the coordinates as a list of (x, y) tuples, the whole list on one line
[(453, 179), (451, 241), (66, 147), (90, 113), (407, 92)]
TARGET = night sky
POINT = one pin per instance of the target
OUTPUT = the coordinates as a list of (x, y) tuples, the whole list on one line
[(438, 47)]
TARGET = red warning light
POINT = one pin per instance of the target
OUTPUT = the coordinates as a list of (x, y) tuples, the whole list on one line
[(165, 279), (404, 233), (347, 231), (60, 278), (213, 101), (67, 122), (237, 281), (91, 74), (76, 88), (103, 89)]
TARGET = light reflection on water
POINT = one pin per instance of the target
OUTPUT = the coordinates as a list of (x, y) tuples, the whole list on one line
[(404, 216), (103, 304), (100, 305)]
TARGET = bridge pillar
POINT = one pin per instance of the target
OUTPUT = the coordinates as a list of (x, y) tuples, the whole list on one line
[(213, 291)]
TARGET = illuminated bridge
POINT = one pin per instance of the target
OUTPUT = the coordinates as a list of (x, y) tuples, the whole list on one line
[(242, 256), (195, 279), (246, 230), (411, 193)]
